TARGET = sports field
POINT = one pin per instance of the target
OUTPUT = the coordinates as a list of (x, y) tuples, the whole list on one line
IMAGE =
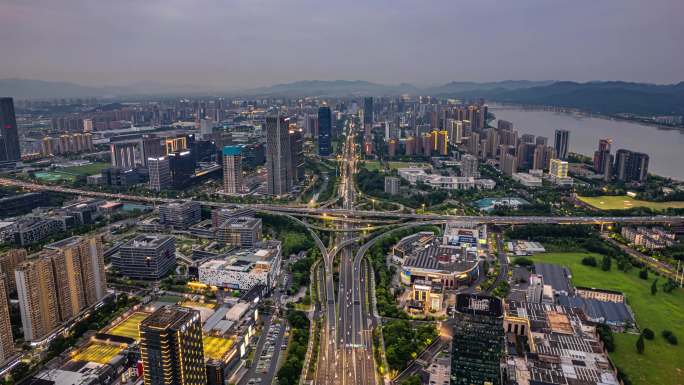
[(623, 202), (129, 327), (54, 176), (661, 362), (198, 304), (216, 347), (97, 352)]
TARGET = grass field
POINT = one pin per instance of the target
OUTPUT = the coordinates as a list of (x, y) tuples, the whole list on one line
[(622, 202), (129, 327), (54, 176), (97, 352), (216, 347), (373, 165), (88, 169), (661, 362)]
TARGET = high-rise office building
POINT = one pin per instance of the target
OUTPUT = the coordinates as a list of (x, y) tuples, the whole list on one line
[(541, 141), (232, 170), (9, 135), (631, 166), (296, 136), (6, 340), (368, 117), (8, 263), (182, 165), (152, 148), (542, 157), (469, 166), (324, 131), (159, 173), (504, 125), (560, 143), (279, 180), (37, 295), (171, 347), (478, 340), (527, 138)]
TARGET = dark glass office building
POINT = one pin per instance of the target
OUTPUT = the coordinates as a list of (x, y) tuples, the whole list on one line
[(478, 340), (182, 165), (9, 136), (171, 347), (560, 143), (324, 131), (368, 111)]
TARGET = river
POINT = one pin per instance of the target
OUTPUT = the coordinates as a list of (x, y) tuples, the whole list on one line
[(664, 146)]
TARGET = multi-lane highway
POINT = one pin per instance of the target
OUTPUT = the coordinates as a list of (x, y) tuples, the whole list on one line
[(349, 214)]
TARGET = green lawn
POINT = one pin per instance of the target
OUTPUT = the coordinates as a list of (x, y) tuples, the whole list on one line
[(88, 169), (661, 363), (373, 165), (622, 202)]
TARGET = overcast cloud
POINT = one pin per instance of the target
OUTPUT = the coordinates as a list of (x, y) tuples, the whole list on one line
[(247, 43)]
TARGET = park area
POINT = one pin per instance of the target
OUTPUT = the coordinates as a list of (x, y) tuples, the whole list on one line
[(86, 169), (98, 352), (374, 165), (130, 327), (624, 202), (661, 363), (216, 347)]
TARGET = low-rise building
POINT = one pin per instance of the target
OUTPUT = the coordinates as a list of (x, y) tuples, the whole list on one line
[(527, 180), (650, 238), (244, 268), (416, 175), (30, 230)]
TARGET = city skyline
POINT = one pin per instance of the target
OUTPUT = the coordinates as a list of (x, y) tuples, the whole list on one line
[(232, 42)]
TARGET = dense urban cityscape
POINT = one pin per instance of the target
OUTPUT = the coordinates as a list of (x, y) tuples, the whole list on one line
[(181, 205)]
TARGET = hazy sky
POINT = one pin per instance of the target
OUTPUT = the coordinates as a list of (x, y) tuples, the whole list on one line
[(245, 43)]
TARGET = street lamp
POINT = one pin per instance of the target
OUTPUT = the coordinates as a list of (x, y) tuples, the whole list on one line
[(373, 200)]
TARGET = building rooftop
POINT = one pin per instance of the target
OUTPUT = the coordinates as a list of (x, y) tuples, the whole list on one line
[(436, 256), (148, 241), (556, 276), (479, 305), (169, 317)]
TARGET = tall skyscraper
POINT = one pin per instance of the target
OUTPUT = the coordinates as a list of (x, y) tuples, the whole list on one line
[(171, 347), (368, 117), (478, 340), (561, 142), (6, 339), (324, 131), (9, 135), (296, 136), (279, 180), (232, 170), (631, 166), (124, 155), (160, 173), (38, 302)]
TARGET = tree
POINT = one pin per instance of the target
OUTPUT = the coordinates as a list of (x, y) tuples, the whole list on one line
[(413, 380), (654, 287), (640, 344), (643, 274), (648, 334), (605, 263), (589, 261), (525, 262), (669, 337)]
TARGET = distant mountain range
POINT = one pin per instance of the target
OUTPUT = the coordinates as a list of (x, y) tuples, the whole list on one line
[(609, 97)]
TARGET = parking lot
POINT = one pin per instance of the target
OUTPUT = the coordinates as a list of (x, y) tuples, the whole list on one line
[(265, 363)]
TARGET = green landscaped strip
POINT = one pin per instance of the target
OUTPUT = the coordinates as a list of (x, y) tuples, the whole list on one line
[(623, 202), (661, 362)]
